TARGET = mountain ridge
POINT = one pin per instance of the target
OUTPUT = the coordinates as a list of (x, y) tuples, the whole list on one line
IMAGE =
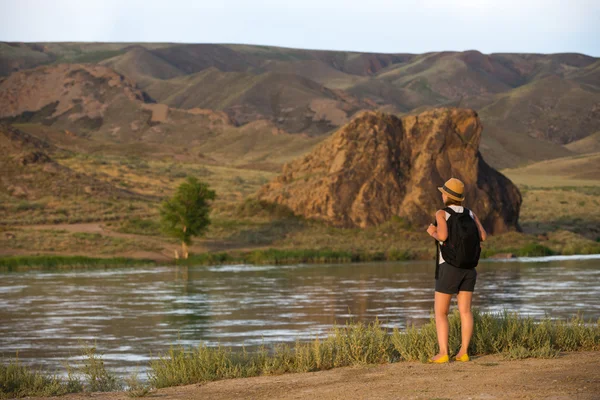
[(314, 92)]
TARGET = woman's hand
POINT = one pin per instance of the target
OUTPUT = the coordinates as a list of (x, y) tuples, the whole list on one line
[(432, 230)]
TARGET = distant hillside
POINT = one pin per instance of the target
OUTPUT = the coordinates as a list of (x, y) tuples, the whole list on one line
[(551, 108), (140, 64), (579, 170), (75, 96), (590, 144), (293, 102), (30, 172), (531, 105), (91, 107)]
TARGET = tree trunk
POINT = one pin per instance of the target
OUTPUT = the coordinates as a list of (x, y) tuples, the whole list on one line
[(184, 251)]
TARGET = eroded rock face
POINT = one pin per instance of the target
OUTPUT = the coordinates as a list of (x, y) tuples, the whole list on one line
[(378, 166)]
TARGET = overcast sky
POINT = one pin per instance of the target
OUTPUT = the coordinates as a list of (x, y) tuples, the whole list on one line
[(415, 26)]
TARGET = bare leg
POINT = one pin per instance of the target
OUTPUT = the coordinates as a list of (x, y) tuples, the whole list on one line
[(442, 305), (466, 320)]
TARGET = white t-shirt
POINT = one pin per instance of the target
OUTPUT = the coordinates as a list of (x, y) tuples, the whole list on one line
[(458, 209)]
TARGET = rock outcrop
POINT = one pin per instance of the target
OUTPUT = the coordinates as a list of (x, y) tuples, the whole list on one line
[(378, 166)]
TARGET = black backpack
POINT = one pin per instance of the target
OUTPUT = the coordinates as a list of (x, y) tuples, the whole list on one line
[(463, 246)]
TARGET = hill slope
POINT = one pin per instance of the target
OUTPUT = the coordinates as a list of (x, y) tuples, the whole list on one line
[(92, 107), (589, 144), (29, 171), (531, 104), (579, 170)]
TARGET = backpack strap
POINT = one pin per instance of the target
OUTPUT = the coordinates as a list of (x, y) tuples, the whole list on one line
[(437, 259), (437, 254), (437, 244), (450, 211)]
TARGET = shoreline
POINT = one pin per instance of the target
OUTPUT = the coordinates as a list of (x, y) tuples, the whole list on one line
[(257, 257), (570, 375), (502, 336)]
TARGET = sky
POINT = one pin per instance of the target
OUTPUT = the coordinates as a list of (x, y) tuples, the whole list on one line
[(391, 26)]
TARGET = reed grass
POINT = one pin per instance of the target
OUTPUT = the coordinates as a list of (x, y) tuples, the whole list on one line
[(97, 377), (266, 256), (50, 261), (508, 334), (17, 380), (306, 256), (135, 388)]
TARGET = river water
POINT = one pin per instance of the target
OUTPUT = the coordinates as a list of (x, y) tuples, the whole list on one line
[(132, 314)]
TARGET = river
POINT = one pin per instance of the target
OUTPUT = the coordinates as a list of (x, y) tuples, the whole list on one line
[(132, 314)]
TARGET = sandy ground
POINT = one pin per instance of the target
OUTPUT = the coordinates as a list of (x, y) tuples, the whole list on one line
[(571, 376)]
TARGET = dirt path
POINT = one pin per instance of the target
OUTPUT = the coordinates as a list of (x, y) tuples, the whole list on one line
[(88, 227), (571, 376), (164, 251)]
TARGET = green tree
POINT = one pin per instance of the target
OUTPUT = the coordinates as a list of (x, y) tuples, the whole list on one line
[(186, 214)]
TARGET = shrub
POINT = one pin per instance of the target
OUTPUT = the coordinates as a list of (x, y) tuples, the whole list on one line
[(141, 226), (17, 380), (135, 388), (29, 206), (261, 208), (98, 378), (534, 250)]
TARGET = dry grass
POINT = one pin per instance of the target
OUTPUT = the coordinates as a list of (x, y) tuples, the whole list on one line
[(49, 241), (160, 178), (548, 210), (359, 344), (547, 215), (354, 343), (579, 170)]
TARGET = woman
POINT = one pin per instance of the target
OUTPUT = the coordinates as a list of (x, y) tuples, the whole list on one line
[(450, 279)]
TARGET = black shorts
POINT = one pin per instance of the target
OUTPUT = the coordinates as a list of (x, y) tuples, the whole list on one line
[(452, 280)]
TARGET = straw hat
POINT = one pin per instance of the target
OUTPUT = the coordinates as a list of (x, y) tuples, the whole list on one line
[(454, 189)]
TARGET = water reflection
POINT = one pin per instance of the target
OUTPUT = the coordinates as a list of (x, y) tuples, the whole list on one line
[(134, 313)]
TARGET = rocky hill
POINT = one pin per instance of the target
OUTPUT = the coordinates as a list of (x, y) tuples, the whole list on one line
[(76, 96), (532, 105), (378, 166), (91, 107)]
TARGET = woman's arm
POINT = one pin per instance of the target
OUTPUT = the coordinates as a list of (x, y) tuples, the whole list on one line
[(482, 232), (441, 233)]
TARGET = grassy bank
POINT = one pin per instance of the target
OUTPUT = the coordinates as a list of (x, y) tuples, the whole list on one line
[(354, 344), (555, 220), (289, 256), (510, 335), (267, 256), (270, 256), (17, 380), (31, 262)]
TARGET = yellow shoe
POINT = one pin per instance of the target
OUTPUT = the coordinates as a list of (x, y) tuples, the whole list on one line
[(441, 360), (463, 358)]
